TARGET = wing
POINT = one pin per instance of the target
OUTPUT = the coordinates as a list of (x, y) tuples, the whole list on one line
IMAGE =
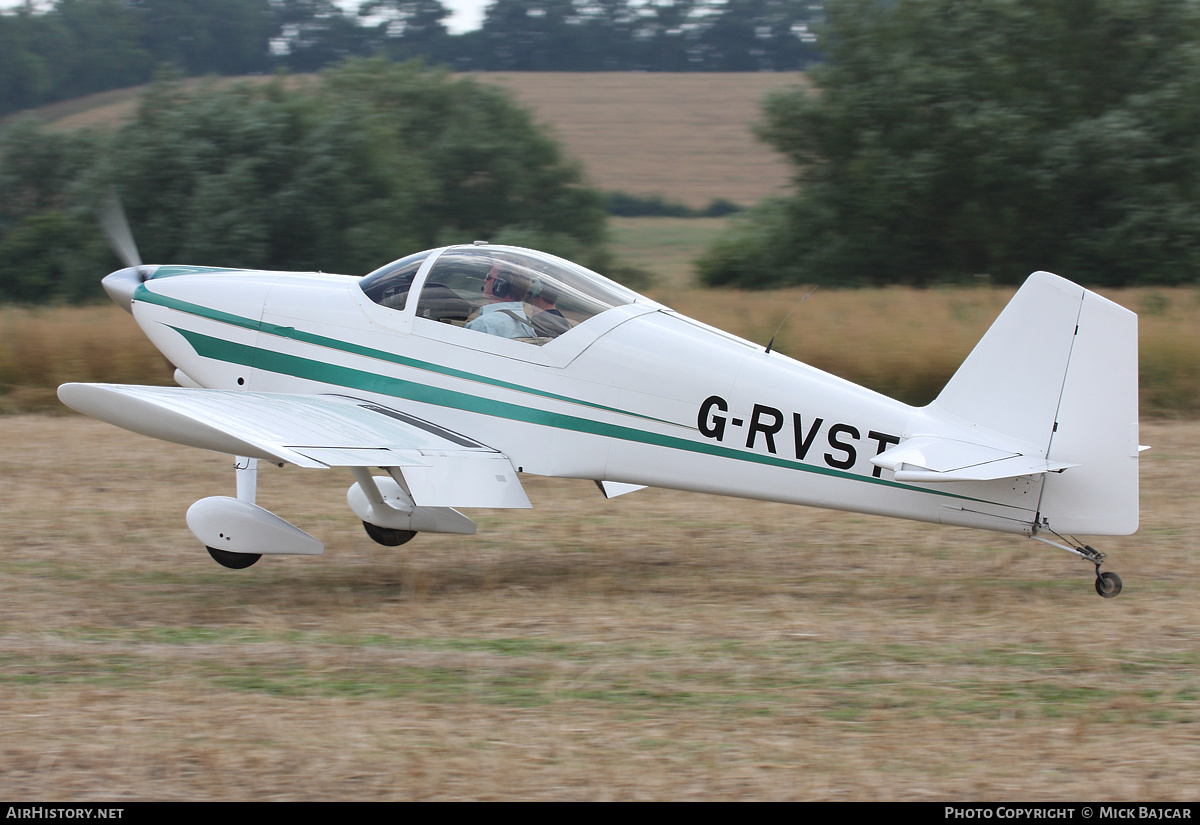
[(440, 467)]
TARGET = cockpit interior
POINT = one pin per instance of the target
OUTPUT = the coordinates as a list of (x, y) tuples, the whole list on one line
[(514, 293)]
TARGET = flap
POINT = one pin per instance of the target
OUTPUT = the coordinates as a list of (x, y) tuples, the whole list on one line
[(466, 480)]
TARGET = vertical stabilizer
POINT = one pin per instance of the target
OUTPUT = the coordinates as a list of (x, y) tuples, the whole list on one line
[(1011, 382), (1057, 371)]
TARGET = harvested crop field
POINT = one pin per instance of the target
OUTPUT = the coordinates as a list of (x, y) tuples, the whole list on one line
[(686, 137), (657, 646)]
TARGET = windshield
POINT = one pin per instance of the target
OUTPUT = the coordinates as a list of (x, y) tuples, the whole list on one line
[(389, 285), (522, 295)]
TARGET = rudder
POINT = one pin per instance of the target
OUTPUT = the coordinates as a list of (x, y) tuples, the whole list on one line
[(1097, 428)]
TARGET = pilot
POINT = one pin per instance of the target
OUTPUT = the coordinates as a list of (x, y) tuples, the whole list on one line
[(504, 314), (543, 312)]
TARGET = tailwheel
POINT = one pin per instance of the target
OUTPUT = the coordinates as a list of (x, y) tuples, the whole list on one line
[(234, 561), (1108, 584), (388, 536)]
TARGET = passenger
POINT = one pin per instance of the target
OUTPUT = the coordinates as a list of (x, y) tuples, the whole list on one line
[(504, 314), (547, 321)]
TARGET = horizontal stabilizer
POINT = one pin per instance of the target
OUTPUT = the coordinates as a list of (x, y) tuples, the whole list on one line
[(934, 459), (442, 468)]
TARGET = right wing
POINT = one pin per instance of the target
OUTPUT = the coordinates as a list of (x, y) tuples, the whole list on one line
[(441, 468)]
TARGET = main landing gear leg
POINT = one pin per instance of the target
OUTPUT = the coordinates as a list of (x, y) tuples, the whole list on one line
[(387, 536), (246, 472), (1108, 585)]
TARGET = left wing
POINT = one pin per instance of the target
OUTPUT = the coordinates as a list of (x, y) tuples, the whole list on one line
[(441, 468)]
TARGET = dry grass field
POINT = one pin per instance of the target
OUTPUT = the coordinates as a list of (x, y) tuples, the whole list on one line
[(905, 343), (657, 646)]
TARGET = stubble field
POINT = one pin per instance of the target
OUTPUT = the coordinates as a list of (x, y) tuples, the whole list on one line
[(684, 136), (657, 646)]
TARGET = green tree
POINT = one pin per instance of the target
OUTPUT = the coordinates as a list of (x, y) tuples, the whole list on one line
[(951, 138), (412, 28), (79, 47), (44, 259), (26, 73), (464, 162), (97, 45), (228, 37), (316, 33), (757, 35), (49, 247)]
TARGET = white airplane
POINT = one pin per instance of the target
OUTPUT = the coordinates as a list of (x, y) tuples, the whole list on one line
[(456, 370)]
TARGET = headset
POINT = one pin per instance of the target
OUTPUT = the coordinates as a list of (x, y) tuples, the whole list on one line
[(502, 287)]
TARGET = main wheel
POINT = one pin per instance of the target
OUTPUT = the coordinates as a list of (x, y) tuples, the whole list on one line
[(234, 561), (1108, 585), (388, 536)]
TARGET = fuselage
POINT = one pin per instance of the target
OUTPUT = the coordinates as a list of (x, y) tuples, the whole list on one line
[(636, 393)]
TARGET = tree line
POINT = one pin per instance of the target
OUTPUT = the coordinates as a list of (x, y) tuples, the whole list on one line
[(77, 47)]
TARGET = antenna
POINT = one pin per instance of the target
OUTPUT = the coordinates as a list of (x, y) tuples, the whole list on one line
[(789, 315)]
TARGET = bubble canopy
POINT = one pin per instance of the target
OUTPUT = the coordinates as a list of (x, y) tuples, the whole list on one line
[(540, 295)]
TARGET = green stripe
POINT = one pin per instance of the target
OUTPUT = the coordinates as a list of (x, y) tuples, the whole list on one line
[(291, 333), (173, 270), (339, 376)]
